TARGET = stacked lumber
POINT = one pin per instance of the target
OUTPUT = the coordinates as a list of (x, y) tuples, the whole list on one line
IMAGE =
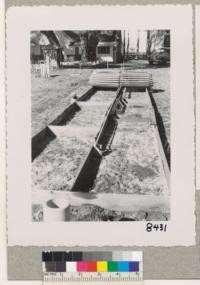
[(105, 78), (138, 79), (115, 78)]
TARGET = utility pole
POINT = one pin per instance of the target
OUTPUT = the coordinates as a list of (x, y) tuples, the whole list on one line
[(127, 51), (148, 43), (124, 46), (138, 44)]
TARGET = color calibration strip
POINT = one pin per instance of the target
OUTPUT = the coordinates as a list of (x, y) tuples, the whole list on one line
[(100, 268), (92, 266), (91, 255), (116, 261)]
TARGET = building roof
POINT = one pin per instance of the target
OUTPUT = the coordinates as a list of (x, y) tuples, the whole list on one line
[(107, 44), (73, 35), (51, 38)]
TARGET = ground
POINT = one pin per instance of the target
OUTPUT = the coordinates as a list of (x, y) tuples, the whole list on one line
[(55, 168), (65, 156), (50, 96)]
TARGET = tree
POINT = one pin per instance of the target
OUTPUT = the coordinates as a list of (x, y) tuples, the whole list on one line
[(91, 45), (157, 39), (83, 47), (118, 39)]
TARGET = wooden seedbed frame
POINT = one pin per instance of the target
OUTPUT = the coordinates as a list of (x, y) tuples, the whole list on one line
[(56, 204)]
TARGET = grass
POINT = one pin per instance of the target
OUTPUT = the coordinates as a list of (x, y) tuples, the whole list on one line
[(50, 96)]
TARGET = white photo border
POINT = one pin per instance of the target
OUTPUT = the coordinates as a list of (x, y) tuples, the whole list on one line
[(197, 57), (21, 230)]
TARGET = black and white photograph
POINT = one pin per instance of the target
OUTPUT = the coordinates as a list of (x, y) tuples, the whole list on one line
[(100, 124)]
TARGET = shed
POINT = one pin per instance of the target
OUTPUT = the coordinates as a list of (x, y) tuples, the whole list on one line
[(106, 51)]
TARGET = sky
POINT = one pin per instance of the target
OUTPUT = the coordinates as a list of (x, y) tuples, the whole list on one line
[(133, 37)]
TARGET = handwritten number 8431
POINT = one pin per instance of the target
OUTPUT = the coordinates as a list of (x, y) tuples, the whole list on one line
[(150, 227)]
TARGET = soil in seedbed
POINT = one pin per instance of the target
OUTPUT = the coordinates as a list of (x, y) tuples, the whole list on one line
[(161, 77), (94, 213), (103, 96), (134, 165), (58, 165), (93, 111)]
